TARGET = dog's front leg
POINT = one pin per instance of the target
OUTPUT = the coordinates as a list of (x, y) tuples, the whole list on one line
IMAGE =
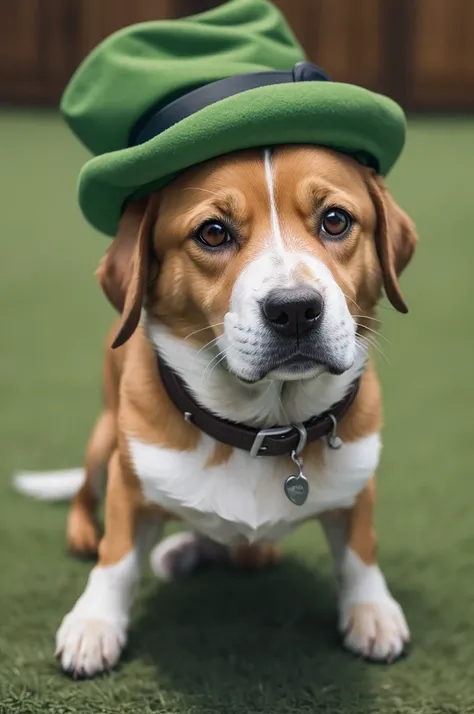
[(92, 636), (371, 621)]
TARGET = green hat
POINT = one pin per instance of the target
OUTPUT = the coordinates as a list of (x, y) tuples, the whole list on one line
[(158, 97)]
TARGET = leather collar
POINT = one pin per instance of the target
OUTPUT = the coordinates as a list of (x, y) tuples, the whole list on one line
[(277, 441)]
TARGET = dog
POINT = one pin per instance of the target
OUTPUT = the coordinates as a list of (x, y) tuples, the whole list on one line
[(252, 279)]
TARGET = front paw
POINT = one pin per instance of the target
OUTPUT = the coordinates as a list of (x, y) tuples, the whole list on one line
[(375, 630), (86, 647)]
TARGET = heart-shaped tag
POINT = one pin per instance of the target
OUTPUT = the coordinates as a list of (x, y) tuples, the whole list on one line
[(296, 489)]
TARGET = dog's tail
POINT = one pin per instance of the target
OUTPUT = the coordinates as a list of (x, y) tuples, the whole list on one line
[(59, 485)]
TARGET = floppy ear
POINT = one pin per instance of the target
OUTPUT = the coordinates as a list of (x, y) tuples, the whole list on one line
[(395, 240), (123, 271)]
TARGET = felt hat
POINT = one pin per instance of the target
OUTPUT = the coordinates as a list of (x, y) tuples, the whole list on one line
[(158, 97)]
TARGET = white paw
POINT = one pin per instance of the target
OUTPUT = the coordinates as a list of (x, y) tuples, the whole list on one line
[(86, 647), (376, 630), (182, 553)]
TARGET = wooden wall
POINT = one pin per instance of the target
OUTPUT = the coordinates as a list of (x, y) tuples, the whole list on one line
[(421, 52)]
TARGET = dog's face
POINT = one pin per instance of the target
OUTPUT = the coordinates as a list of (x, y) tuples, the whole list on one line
[(277, 256)]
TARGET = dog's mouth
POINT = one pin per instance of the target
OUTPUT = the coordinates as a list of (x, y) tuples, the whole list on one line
[(300, 366), (298, 361), (297, 366)]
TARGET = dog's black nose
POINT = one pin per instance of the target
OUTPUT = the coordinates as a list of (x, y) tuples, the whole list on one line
[(292, 312)]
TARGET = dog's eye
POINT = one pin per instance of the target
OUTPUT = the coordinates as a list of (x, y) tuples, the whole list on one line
[(213, 234), (336, 222)]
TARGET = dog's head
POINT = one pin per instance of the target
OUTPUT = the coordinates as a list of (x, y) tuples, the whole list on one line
[(278, 255)]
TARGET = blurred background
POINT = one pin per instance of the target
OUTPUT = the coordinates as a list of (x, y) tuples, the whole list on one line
[(420, 52), (264, 645)]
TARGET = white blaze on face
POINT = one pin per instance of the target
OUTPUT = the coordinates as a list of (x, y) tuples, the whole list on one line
[(247, 336), (276, 235)]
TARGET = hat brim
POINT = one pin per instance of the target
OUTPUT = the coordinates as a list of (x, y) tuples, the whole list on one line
[(344, 117)]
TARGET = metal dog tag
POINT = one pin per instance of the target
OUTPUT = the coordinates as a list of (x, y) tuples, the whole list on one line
[(296, 485)]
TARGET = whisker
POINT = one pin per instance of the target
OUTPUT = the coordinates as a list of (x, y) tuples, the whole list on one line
[(368, 338), (364, 343), (208, 344), (375, 332), (353, 301), (376, 346), (218, 363), (211, 361), (368, 317), (208, 327)]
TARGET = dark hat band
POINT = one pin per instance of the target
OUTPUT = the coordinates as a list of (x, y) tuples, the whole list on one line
[(157, 121)]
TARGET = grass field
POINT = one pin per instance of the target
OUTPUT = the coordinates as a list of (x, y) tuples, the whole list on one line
[(223, 644)]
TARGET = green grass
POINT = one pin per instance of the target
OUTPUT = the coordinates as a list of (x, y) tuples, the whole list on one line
[(222, 643)]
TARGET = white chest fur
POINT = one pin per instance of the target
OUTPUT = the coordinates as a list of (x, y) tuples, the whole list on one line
[(243, 499)]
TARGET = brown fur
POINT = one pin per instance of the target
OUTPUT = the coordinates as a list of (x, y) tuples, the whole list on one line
[(82, 528), (221, 455)]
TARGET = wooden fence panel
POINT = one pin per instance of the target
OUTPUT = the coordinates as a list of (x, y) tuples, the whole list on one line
[(420, 52)]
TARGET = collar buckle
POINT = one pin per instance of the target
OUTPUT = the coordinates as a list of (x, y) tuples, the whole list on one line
[(258, 447)]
